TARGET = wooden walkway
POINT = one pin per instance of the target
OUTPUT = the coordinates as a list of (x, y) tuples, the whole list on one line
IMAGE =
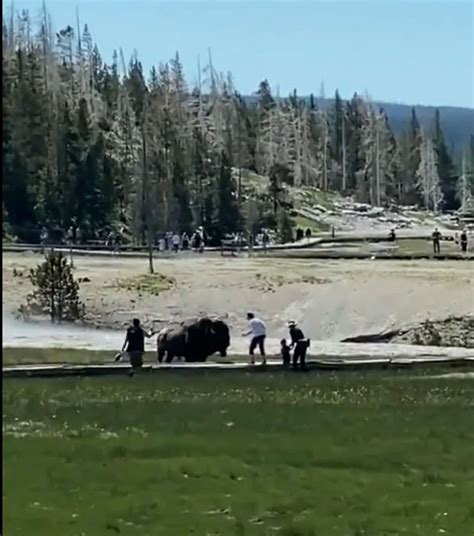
[(360, 255), (300, 250), (273, 365), (142, 251)]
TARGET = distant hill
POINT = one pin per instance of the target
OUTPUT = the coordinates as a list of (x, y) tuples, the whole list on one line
[(457, 123)]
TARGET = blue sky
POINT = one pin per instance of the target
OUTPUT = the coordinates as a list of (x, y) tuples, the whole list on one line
[(410, 51)]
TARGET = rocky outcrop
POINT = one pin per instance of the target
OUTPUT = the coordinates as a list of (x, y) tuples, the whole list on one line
[(452, 331)]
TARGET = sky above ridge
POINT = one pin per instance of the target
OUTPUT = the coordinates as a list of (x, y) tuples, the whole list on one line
[(406, 51)]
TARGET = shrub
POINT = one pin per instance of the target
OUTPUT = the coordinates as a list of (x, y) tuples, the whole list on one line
[(55, 293)]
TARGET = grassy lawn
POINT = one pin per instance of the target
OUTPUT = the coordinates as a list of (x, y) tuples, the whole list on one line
[(250, 454), (312, 196), (148, 284), (32, 356), (417, 246)]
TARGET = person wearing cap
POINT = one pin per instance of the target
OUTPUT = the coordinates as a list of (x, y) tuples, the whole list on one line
[(300, 345), (258, 332)]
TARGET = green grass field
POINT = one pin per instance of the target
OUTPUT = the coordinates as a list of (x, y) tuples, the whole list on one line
[(246, 454), (316, 227), (31, 356), (425, 247), (34, 356)]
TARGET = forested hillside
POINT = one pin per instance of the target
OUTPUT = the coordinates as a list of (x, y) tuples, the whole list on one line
[(99, 145), (457, 122)]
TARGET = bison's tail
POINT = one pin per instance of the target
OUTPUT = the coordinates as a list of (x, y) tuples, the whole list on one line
[(161, 355), (160, 345)]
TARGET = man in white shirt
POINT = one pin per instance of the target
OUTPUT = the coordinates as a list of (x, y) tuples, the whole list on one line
[(258, 333)]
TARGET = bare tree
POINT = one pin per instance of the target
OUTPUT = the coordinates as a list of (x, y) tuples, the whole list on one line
[(428, 178), (465, 185), (344, 152)]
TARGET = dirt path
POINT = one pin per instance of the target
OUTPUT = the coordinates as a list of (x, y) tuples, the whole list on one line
[(331, 299)]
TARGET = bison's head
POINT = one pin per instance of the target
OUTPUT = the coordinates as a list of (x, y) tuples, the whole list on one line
[(221, 336)]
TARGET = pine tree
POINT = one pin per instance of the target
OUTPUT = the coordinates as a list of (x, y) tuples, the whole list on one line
[(285, 227), (338, 142), (229, 219), (355, 150), (380, 170), (445, 166), (278, 177), (74, 131), (465, 184), (410, 157), (55, 293)]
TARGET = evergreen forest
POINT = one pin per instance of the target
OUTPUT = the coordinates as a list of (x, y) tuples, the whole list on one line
[(102, 145)]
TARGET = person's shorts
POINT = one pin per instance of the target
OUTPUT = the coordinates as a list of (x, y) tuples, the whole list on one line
[(136, 359)]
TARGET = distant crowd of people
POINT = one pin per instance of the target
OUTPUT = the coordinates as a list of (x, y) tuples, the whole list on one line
[(75, 236), (173, 241), (169, 241)]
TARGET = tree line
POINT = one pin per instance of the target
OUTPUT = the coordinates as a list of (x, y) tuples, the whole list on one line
[(101, 145)]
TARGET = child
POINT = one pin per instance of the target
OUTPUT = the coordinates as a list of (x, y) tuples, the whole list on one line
[(285, 353)]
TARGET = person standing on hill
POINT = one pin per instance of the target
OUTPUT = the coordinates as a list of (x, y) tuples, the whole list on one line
[(436, 236), (265, 240), (258, 332)]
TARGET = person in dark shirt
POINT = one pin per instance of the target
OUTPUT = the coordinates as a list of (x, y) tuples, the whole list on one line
[(463, 240), (134, 345), (185, 241), (196, 241), (265, 239), (285, 353), (436, 236), (300, 345)]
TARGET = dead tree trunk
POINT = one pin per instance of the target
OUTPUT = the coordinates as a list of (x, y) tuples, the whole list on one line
[(146, 205)]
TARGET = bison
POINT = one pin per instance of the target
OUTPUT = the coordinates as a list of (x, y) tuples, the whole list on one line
[(195, 340)]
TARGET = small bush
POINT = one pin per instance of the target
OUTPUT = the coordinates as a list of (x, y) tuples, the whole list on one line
[(55, 293)]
